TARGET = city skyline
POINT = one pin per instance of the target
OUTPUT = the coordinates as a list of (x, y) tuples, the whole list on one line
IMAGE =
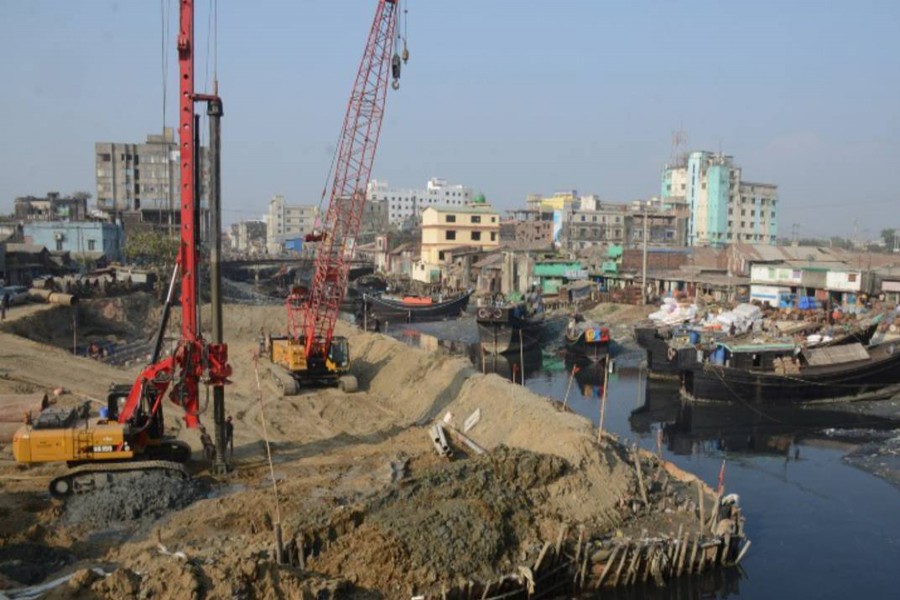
[(506, 99)]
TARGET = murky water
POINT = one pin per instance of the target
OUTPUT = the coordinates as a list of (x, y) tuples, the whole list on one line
[(820, 527)]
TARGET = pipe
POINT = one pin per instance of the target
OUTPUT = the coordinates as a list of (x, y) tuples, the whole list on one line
[(214, 111), (51, 297)]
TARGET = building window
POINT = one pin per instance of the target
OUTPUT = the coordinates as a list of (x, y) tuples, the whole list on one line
[(59, 245), (476, 236), (450, 234), (441, 255), (493, 219), (851, 277), (451, 218), (476, 218), (493, 236), (92, 245)]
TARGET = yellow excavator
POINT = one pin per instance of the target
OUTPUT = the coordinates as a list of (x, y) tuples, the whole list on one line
[(129, 439)]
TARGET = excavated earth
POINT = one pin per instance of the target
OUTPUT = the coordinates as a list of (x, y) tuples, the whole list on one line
[(366, 507)]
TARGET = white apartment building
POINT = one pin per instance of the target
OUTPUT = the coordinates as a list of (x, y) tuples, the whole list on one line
[(403, 204), (287, 221)]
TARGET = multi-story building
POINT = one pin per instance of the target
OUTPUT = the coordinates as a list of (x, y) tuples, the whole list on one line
[(52, 207), (723, 207), (142, 182), (83, 239), (248, 237), (596, 225), (449, 229), (287, 222), (404, 205)]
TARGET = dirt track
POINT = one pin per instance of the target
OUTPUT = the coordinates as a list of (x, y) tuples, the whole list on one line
[(362, 494)]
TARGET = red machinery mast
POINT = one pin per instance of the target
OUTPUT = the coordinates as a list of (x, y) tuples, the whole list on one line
[(187, 250), (356, 152), (194, 360)]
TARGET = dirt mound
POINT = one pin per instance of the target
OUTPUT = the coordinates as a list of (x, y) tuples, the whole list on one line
[(138, 500), (118, 319), (465, 519)]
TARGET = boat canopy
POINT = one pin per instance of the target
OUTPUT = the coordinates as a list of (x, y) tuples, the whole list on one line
[(834, 355)]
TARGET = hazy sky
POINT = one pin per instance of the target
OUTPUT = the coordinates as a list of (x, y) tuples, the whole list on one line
[(508, 96)]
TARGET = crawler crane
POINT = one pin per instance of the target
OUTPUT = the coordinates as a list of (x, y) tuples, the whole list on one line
[(310, 353)]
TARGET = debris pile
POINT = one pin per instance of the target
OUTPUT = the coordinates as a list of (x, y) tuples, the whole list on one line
[(137, 500)]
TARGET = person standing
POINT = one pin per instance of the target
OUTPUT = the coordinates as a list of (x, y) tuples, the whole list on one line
[(4, 304), (229, 436)]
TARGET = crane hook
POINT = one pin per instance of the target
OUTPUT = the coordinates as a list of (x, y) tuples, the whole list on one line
[(395, 71), (405, 54)]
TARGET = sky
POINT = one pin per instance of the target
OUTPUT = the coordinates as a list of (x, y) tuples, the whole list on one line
[(510, 97)]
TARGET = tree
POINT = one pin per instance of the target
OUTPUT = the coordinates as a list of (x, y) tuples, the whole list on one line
[(890, 238), (152, 249)]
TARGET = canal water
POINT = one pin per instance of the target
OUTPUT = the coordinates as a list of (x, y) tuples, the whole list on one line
[(820, 527)]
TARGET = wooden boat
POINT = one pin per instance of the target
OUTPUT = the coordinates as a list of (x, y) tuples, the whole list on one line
[(673, 349), (413, 309), (786, 375), (508, 328), (587, 338)]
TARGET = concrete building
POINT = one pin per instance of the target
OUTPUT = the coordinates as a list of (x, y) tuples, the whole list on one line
[(52, 207), (287, 222), (404, 205), (723, 207), (141, 182), (450, 229), (598, 226), (83, 240), (249, 237)]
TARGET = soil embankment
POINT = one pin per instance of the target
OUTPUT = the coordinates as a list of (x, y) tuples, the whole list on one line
[(364, 502)]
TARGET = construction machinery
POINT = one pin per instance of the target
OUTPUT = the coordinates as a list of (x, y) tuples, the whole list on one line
[(129, 437), (310, 352)]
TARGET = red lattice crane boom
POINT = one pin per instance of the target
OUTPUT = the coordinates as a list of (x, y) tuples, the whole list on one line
[(353, 167)]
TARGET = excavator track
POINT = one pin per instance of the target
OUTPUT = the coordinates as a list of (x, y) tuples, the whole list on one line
[(87, 478), (283, 380)]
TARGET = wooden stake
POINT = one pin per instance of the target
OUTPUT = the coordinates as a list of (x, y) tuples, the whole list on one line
[(540, 558), (521, 358), (569, 387), (702, 509), (740, 556), (640, 474), (603, 398), (607, 567), (625, 550), (690, 566)]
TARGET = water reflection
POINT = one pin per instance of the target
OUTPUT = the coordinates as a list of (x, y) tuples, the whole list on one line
[(688, 428)]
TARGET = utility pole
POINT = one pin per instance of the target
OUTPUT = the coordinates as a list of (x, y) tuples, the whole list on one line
[(644, 266)]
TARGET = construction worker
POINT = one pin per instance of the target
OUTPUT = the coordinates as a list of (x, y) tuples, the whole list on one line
[(209, 449), (229, 435)]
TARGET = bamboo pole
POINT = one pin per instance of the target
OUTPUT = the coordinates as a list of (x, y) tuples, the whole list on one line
[(702, 509), (603, 398), (607, 567), (640, 474), (521, 357), (569, 387)]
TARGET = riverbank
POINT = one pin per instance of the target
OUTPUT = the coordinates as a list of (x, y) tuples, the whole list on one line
[(366, 506)]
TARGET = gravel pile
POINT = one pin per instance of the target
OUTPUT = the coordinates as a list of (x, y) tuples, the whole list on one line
[(137, 500)]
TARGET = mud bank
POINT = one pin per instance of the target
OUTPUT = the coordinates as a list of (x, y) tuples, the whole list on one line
[(368, 509)]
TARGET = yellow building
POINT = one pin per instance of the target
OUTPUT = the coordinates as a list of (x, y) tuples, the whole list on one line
[(455, 228), (558, 201)]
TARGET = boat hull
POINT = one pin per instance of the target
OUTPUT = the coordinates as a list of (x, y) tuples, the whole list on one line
[(504, 330), (875, 378), (385, 309)]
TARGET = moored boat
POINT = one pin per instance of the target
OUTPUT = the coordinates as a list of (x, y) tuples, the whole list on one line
[(414, 309), (511, 327), (790, 375), (587, 338)]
